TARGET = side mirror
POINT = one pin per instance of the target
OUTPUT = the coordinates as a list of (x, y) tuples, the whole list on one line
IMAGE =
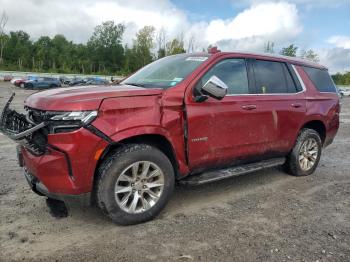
[(215, 88)]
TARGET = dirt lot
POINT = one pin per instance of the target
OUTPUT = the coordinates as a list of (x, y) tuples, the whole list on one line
[(264, 216)]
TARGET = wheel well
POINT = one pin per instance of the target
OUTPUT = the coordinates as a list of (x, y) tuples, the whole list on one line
[(157, 141), (319, 127)]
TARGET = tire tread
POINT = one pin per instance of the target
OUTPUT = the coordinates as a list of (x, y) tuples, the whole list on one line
[(292, 163)]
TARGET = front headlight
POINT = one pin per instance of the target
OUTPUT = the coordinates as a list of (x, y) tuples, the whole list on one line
[(85, 117)]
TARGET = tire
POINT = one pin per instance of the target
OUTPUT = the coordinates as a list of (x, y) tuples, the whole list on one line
[(28, 86), (304, 158), (120, 165)]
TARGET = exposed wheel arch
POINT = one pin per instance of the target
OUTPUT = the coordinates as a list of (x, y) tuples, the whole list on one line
[(318, 126), (158, 141)]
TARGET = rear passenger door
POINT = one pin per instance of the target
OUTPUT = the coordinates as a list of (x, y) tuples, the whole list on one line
[(280, 100)]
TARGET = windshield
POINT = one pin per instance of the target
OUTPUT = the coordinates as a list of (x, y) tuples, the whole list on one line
[(166, 72)]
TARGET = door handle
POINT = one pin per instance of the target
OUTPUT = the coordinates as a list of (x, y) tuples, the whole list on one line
[(297, 105), (249, 107)]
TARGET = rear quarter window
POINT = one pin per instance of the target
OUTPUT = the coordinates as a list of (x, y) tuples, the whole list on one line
[(321, 79)]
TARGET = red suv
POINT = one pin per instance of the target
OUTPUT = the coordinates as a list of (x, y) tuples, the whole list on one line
[(191, 118)]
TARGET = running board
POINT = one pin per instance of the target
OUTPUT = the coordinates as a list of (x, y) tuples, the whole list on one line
[(220, 174)]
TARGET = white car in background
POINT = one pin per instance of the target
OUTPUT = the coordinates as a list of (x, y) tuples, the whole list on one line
[(344, 92)]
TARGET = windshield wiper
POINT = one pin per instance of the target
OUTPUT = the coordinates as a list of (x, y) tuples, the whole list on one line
[(135, 84)]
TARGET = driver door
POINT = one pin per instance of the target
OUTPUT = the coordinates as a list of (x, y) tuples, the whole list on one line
[(228, 131)]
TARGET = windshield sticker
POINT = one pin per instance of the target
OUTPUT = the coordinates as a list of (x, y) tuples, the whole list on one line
[(173, 83), (197, 58), (177, 79)]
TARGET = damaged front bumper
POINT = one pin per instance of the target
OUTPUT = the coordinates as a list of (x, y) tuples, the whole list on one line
[(19, 128), (58, 163), (39, 188)]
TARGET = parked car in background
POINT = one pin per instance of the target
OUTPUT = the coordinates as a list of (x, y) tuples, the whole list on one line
[(97, 82), (89, 81), (65, 80), (42, 83), (76, 81), (192, 118), (13, 80), (344, 92), (21, 82), (8, 78), (93, 81)]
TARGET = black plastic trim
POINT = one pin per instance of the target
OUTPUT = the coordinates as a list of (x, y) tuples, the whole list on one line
[(69, 164), (99, 133)]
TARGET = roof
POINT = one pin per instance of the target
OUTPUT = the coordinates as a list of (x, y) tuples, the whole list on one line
[(293, 60)]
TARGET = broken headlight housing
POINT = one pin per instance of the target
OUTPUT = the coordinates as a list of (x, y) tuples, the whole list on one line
[(85, 117), (70, 121)]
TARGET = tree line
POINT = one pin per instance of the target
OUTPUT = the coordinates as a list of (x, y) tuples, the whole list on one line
[(104, 52), (342, 79)]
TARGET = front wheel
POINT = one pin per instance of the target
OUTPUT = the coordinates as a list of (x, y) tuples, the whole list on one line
[(306, 154), (134, 184)]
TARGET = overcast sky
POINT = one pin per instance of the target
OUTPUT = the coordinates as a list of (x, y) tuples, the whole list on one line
[(323, 25)]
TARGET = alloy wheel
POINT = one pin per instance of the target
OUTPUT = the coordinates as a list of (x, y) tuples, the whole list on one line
[(308, 154), (139, 187)]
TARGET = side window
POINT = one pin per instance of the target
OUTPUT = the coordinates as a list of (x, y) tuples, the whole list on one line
[(273, 77), (232, 72), (321, 79)]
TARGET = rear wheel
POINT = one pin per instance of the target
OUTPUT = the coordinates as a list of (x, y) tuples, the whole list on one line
[(134, 184), (306, 154)]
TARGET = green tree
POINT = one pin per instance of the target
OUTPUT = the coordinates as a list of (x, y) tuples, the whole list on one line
[(107, 51), (161, 42), (60, 53), (290, 50), (310, 55), (81, 61), (342, 79), (144, 45), (42, 57), (174, 47), (18, 50)]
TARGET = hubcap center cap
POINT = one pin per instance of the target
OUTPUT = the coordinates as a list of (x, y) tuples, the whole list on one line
[(138, 185)]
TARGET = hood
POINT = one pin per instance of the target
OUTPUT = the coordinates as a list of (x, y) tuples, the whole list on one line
[(83, 97)]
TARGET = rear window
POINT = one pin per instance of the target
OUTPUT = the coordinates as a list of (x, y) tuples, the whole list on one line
[(321, 79), (273, 77)]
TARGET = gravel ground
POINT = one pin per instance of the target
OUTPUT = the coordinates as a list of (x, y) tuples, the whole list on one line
[(263, 216)]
